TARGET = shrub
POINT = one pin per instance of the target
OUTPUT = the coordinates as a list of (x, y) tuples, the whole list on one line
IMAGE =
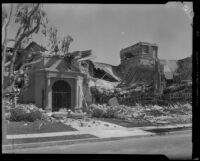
[(110, 112), (93, 106), (17, 114), (21, 114), (120, 116), (97, 111), (34, 115)]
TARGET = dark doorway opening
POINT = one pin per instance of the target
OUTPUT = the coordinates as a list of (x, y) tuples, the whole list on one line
[(61, 95)]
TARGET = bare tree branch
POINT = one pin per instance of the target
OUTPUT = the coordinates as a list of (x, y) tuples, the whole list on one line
[(33, 11), (5, 27), (5, 41), (17, 44), (29, 17)]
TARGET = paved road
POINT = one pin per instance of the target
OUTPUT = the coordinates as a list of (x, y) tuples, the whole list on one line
[(174, 146)]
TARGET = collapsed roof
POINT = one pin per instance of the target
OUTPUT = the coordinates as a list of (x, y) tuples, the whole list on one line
[(107, 70)]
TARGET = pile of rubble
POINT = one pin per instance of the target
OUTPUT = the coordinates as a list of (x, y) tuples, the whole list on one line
[(67, 113), (177, 113), (78, 119), (87, 123), (178, 87)]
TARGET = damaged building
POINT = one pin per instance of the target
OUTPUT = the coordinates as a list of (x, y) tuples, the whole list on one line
[(65, 81), (54, 81), (57, 81)]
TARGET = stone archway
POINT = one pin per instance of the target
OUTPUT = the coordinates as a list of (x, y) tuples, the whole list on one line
[(61, 95)]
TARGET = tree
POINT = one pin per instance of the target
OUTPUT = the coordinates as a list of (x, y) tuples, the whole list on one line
[(29, 17), (52, 36), (67, 40), (55, 43), (6, 16)]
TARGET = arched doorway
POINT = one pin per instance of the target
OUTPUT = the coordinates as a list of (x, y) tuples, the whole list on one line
[(61, 95)]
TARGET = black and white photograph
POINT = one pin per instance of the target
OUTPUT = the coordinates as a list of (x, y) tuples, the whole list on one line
[(97, 79)]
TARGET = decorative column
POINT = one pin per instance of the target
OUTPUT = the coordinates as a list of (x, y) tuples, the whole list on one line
[(48, 95), (81, 92), (78, 95)]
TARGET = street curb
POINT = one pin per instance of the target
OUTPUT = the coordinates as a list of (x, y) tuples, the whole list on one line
[(66, 142), (166, 127)]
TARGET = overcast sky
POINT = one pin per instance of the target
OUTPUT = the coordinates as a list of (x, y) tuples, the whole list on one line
[(107, 28)]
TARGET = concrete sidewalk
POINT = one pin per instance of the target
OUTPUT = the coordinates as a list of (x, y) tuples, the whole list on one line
[(98, 132), (102, 134)]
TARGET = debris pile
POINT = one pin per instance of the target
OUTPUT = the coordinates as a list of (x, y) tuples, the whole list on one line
[(178, 113), (87, 123), (120, 112), (124, 96), (176, 87), (67, 113)]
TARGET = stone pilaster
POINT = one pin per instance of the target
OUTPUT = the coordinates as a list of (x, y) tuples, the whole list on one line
[(76, 94), (48, 95), (81, 93), (78, 91)]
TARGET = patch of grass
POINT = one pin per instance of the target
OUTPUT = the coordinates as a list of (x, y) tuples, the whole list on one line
[(36, 127), (46, 139), (128, 124)]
